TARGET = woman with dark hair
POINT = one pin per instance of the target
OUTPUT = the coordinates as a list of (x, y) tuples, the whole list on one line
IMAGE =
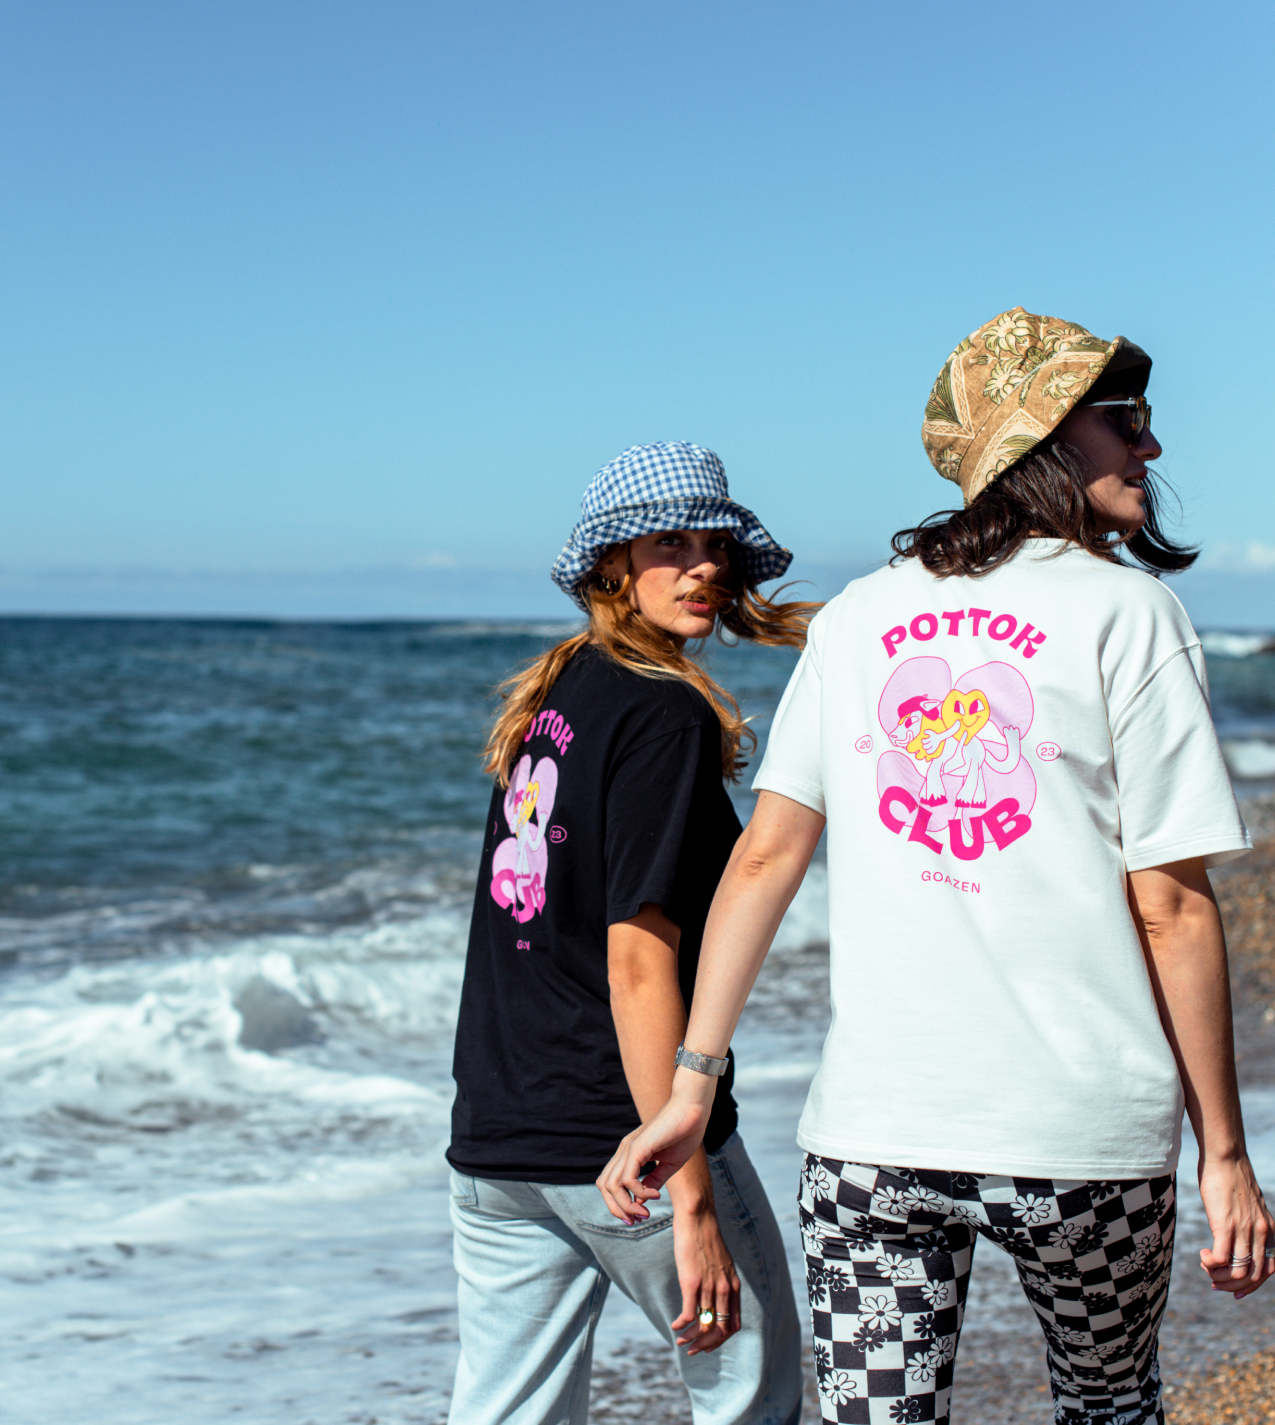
[(1007, 735), (609, 827), (1025, 476)]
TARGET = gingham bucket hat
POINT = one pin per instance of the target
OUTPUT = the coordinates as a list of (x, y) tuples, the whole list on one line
[(651, 488)]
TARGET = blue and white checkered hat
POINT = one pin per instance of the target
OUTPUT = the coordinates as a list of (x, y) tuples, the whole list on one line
[(652, 488)]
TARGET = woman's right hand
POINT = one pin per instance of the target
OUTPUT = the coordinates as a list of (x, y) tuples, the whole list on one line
[(1241, 1224), (706, 1275), (667, 1141)]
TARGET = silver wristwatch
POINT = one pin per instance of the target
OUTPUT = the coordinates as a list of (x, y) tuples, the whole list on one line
[(701, 1063)]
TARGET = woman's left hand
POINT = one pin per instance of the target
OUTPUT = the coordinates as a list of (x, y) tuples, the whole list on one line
[(1242, 1226), (1176, 915), (707, 1277)]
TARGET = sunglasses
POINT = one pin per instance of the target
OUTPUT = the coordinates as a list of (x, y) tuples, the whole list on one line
[(1135, 419)]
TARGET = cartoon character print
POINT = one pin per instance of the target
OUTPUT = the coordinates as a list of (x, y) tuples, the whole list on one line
[(521, 861), (918, 717), (955, 763)]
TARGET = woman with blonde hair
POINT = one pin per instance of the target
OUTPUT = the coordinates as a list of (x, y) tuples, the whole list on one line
[(1007, 736), (609, 827)]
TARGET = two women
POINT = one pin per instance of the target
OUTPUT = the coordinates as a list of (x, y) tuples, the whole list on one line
[(608, 830), (1007, 736)]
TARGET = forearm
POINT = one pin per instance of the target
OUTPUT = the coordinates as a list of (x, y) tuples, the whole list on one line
[(763, 874), (1181, 930), (650, 1022), (765, 870), (1185, 947), (1195, 1007), (650, 1017)]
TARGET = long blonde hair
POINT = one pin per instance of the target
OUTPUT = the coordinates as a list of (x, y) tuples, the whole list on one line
[(634, 642)]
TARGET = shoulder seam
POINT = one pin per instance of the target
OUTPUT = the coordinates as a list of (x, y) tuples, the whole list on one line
[(636, 679), (668, 732), (1148, 680)]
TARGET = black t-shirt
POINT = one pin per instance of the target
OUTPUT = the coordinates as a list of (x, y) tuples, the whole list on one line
[(616, 800)]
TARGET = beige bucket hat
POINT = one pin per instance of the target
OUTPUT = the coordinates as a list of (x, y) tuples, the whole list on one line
[(1007, 386)]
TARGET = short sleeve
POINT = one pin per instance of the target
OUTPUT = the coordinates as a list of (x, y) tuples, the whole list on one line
[(649, 803), (1175, 795), (792, 765)]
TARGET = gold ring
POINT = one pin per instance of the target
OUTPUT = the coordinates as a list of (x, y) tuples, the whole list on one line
[(706, 1316)]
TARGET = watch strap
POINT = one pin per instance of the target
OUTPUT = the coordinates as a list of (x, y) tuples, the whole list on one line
[(702, 1063)]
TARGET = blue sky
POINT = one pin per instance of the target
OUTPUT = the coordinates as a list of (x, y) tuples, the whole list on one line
[(336, 308)]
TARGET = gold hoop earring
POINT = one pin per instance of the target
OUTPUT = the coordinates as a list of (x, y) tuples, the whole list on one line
[(609, 586)]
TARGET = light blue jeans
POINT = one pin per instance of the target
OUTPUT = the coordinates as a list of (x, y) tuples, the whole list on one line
[(535, 1262)]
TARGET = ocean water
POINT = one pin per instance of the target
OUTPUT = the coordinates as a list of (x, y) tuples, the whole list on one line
[(236, 863), (1242, 681)]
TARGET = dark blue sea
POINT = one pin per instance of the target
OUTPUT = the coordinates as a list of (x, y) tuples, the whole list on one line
[(236, 864), (236, 861)]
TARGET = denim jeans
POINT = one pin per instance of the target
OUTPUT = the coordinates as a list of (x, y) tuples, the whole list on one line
[(535, 1262)]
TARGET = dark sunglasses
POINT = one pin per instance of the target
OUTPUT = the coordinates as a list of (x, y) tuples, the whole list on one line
[(1135, 419)]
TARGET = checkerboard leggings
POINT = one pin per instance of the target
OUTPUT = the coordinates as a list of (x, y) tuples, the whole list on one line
[(888, 1254)]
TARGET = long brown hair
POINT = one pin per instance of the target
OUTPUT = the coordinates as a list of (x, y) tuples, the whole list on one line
[(1041, 494), (634, 642)]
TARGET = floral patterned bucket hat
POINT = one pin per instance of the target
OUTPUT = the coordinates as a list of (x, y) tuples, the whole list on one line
[(1007, 386), (651, 488)]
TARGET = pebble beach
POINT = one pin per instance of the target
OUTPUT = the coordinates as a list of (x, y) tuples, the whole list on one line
[(1238, 1384)]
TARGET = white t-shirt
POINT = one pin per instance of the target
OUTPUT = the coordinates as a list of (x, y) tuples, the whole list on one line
[(992, 756)]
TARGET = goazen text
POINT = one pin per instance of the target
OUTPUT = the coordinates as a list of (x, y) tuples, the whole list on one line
[(937, 878)]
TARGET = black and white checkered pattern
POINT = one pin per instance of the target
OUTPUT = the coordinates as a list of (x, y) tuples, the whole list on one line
[(888, 1255), (651, 488)]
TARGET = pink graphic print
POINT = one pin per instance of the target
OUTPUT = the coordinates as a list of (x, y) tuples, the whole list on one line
[(955, 777), (521, 862)]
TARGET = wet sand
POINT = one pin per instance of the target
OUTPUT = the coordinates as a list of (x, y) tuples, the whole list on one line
[(1218, 1356)]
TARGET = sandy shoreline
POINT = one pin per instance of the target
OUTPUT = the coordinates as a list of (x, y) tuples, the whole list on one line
[(1218, 1356)]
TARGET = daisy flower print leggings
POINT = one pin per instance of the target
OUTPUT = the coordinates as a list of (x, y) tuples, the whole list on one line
[(888, 1253)]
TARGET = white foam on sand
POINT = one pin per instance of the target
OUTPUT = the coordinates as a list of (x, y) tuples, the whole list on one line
[(192, 1227), (1236, 645), (1249, 759), (223, 1189)]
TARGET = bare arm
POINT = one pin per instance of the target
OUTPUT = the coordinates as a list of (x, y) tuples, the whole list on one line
[(650, 1020), (1181, 932), (759, 882)]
